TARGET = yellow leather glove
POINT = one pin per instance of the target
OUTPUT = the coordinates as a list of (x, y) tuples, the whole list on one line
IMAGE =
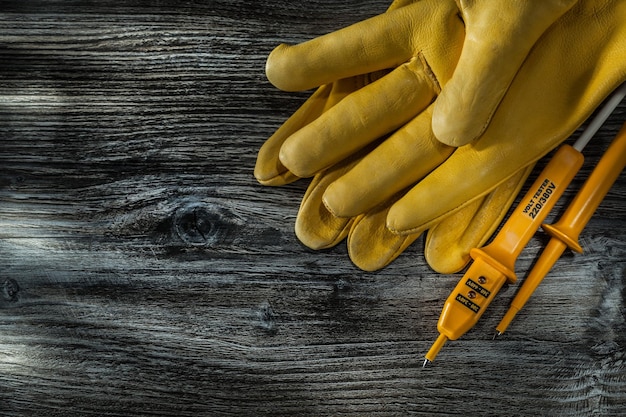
[(371, 245), (534, 72)]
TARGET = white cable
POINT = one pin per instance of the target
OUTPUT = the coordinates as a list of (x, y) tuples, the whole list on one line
[(600, 118)]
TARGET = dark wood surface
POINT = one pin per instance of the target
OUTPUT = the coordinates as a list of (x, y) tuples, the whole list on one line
[(145, 272)]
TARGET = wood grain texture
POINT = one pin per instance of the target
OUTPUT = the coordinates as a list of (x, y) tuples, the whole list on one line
[(144, 272)]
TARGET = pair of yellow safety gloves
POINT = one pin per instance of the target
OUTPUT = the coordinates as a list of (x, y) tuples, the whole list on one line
[(430, 116)]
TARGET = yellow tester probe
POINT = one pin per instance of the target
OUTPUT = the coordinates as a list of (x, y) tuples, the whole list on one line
[(495, 263), (566, 231)]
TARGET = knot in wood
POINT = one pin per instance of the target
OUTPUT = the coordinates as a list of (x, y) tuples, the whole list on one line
[(201, 224), (267, 318), (10, 289)]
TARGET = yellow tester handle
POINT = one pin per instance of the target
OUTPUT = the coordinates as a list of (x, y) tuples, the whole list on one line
[(566, 231), (495, 263), (531, 211)]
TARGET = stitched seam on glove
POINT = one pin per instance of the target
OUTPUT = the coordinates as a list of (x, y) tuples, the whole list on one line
[(434, 83)]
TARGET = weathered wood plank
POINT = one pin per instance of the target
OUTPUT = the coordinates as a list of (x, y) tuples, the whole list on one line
[(143, 271)]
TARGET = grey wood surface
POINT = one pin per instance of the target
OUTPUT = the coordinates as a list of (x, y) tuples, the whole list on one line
[(145, 272)]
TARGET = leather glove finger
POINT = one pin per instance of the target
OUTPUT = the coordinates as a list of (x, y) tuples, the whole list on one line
[(499, 35), (430, 27), (315, 226)]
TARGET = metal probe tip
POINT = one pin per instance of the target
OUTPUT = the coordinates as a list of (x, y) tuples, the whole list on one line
[(435, 348), (426, 363)]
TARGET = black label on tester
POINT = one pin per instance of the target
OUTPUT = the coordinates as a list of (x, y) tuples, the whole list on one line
[(478, 288), (467, 303)]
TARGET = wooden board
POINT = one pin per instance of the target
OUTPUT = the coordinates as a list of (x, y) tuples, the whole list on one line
[(144, 271)]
